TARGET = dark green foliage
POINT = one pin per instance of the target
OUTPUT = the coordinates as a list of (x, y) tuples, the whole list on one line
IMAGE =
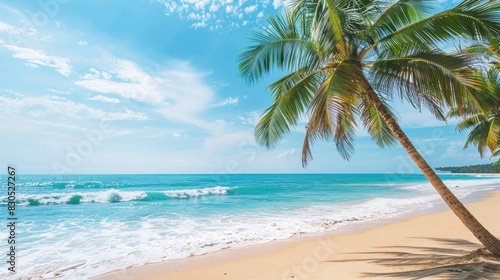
[(480, 168)]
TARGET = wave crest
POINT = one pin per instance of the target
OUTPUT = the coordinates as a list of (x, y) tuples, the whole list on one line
[(112, 196)]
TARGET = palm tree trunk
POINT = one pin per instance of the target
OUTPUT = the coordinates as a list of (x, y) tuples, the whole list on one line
[(480, 232)]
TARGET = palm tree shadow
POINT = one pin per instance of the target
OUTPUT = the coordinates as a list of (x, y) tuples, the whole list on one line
[(445, 262)]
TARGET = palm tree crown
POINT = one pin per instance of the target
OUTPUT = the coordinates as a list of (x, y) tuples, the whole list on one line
[(336, 51)]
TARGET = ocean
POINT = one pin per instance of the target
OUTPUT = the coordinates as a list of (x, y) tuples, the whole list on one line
[(78, 226)]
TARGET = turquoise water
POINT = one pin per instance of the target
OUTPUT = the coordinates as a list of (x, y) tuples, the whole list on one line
[(78, 226)]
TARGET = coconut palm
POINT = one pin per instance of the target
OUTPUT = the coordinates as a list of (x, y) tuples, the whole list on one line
[(483, 123), (345, 59)]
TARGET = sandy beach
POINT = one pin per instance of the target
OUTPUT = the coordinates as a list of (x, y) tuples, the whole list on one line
[(430, 246)]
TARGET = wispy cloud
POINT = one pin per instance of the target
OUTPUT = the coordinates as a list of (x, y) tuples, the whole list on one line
[(274, 156), (176, 134), (105, 99), (186, 95), (10, 29), (250, 9), (36, 58), (26, 32), (54, 97), (179, 94), (57, 91), (130, 82), (230, 101), (286, 153), (226, 141), (46, 106), (250, 118), (277, 3)]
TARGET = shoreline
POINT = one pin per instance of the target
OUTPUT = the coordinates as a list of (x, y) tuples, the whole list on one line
[(282, 259)]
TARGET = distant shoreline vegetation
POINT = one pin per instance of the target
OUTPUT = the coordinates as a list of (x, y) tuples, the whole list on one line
[(480, 168)]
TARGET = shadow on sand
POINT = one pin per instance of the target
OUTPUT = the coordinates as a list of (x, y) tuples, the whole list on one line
[(456, 259)]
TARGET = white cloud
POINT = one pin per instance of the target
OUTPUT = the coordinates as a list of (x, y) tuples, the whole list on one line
[(36, 58), (277, 3), (57, 91), (275, 157), (179, 93), (214, 8), (454, 148), (9, 29), (31, 65), (250, 9), (251, 117), (54, 97), (286, 153), (12, 92), (177, 135), (45, 106), (221, 122), (131, 82), (216, 14), (106, 75), (230, 101), (83, 43), (105, 99), (61, 125), (27, 32), (186, 95)]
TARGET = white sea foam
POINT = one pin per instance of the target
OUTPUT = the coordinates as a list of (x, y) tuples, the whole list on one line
[(197, 192), (109, 196)]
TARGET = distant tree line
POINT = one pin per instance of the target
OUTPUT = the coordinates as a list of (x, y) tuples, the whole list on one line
[(480, 168)]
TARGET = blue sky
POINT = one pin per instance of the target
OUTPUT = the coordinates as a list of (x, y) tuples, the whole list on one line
[(152, 87)]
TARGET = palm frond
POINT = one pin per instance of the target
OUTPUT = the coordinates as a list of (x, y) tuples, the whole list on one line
[(332, 110), (482, 50), (399, 14), (478, 137), (279, 45), (494, 133), (473, 19), (375, 125), (442, 76), (292, 95), (471, 121)]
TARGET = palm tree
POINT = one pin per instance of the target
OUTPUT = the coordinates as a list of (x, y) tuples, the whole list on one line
[(345, 59), (483, 123)]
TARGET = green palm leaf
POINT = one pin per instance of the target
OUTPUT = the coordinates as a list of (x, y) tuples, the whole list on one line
[(332, 110), (280, 45), (375, 125), (398, 15), (473, 19), (425, 77), (292, 95)]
